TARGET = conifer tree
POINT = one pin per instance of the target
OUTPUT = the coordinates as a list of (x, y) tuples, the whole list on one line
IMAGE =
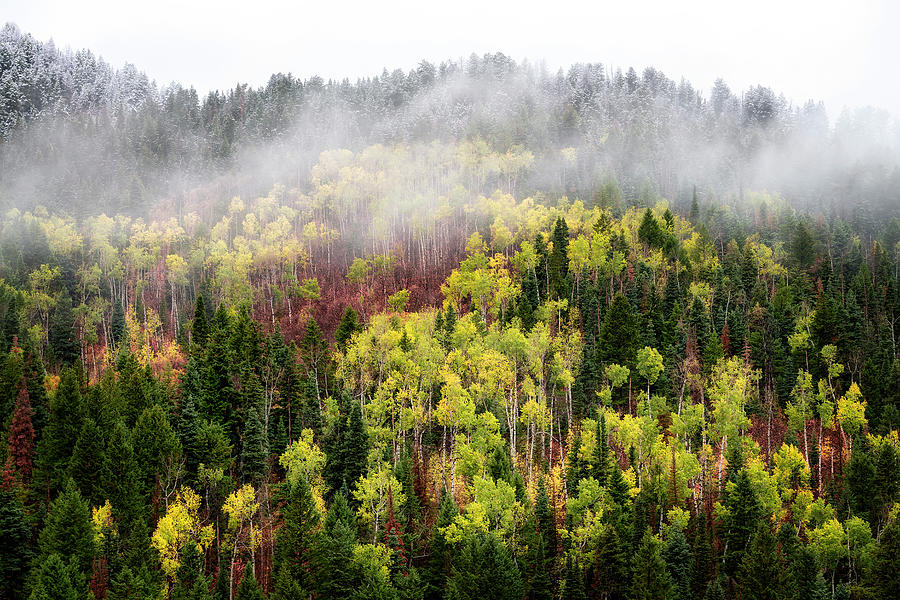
[(355, 446), (200, 327), (573, 584), (759, 577), (87, 461), (117, 323), (68, 531), (248, 588), (611, 570), (881, 580), (20, 439), (334, 552), (680, 563), (61, 336), (618, 336), (15, 544), (61, 433), (348, 325), (438, 570), (295, 542), (484, 568), (650, 580), (255, 449), (54, 581), (120, 479), (559, 260), (602, 466), (744, 511)]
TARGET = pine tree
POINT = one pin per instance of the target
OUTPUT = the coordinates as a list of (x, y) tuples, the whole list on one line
[(611, 572), (295, 542), (559, 260), (619, 333), (704, 565), (62, 431), (744, 511), (573, 584), (348, 326), (86, 462), (334, 552), (255, 449), (191, 584), (15, 544), (20, 439), (804, 578), (546, 522), (155, 445), (714, 591), (61, 336), (602, 465), (54, 581), (120, 480), (484, 568), (881, 580), (528, 300), (759, 576), (680, 563), (355, 446), (117, 323), (650, 581), (68, 531), (248, 588), (200, 327), (438, 570)]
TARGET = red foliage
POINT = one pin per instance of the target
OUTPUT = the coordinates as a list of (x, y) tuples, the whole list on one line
[(21, 437)]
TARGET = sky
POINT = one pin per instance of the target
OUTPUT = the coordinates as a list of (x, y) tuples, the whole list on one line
[(841, 52)]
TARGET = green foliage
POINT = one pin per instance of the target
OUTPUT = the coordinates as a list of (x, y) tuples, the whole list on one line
[(484, 568)]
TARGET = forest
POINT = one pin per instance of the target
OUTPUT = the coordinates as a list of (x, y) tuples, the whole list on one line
[(473, 331)]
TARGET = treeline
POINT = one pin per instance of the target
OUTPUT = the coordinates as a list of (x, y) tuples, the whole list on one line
[(80, 135), (600, 406)]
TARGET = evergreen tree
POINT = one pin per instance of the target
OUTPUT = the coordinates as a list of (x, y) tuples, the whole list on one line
[(611, 570), (528, 300), (61, 433), (191, 583), (348, 325), (559, 260), (54, 581), (295, 542), (546, 522), (355, 446), (438, 570), (15, 544), (704, 567), (200, 326), (618, 336), (68, 531), (680, 563), (573, 584), (120, 480), (334, 552), (805, 581), (86, 462), (759, 577), (156, 447), (248, 588), (484, 568), (255, 450), (117, 323), (651, 581), (61, 336), (714, 591), (881, 580), (744, 511), (20, 439), (602, 465)]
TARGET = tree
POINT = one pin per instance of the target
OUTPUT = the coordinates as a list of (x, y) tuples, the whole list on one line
[(881, 579), (63, 428), (743, 512), (649, 365), (760, 576), (87, 459), (348, 325), (68, 532), (559, 260), (651, 581), (679, 562), (295, 541), (15, 544), (573, 583), (54, 581), (484, 568), (618, 334), (200, 327), (438, 570), (249, 588), (62, 337), (255, 450), (117, 323), (611, 570), (20, 440)]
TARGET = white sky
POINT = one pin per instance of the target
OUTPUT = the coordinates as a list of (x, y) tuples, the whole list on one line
[(843, 52)]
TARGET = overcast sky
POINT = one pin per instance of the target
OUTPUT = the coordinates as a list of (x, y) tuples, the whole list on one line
[(842, 52)]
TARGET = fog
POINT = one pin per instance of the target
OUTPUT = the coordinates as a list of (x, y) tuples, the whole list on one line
[(82, 137)]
